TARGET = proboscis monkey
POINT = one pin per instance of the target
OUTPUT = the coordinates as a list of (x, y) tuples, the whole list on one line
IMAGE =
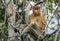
[(38, 18)]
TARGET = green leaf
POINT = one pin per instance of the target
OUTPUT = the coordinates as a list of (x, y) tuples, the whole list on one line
[(20, 2)]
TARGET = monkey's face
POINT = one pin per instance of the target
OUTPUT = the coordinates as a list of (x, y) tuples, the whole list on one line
[(36, 11)]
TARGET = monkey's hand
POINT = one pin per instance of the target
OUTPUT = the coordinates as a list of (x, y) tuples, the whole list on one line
[(37, 20)]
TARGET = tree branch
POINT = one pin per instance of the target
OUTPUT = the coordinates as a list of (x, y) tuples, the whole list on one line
[(40, 2)]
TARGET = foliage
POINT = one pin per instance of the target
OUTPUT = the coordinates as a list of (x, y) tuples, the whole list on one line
[(20, 4)]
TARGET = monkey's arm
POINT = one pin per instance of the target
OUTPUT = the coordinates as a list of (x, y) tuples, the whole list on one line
[(43, 19)]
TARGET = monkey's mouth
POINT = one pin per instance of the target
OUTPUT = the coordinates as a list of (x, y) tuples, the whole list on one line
[(36, 14)]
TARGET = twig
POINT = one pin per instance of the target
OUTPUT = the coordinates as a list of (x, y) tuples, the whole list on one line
[(56, 36), (40, 2)]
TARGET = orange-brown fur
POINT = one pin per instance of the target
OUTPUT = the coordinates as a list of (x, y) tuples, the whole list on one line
[(41, 24)]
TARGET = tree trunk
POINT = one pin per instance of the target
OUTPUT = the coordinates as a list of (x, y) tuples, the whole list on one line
[(11, 12)]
